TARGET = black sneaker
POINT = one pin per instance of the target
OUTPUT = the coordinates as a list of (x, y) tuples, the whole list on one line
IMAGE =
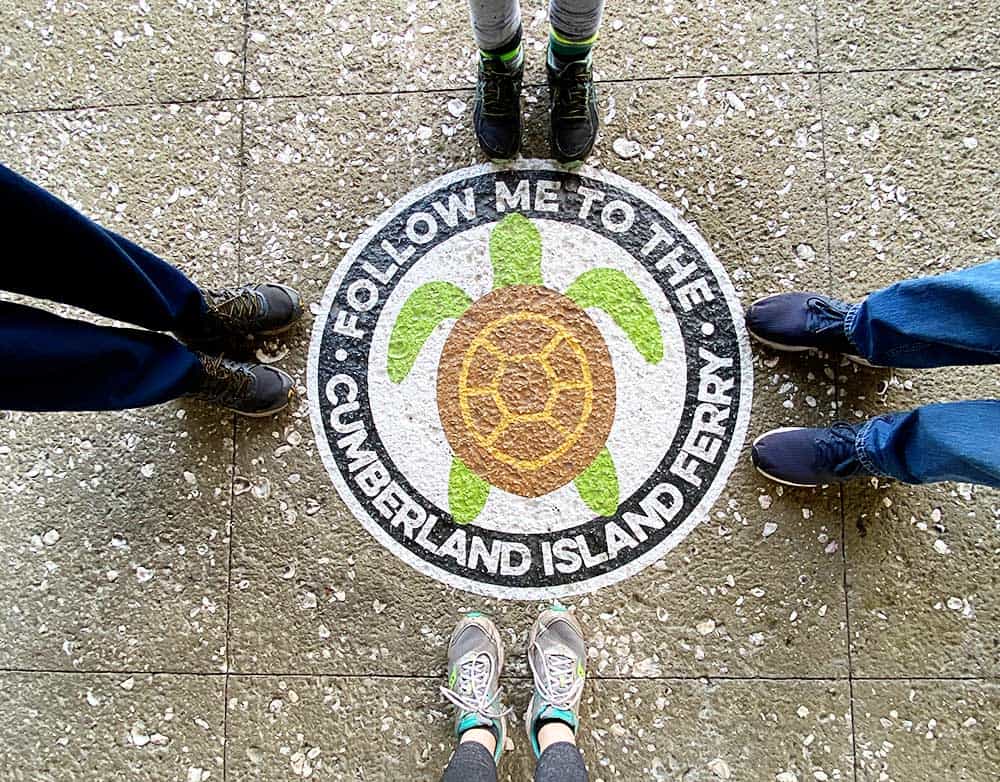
[(809, 457), (572, 110), (795, 322), (257, 310), (254, 390), (496, 110)]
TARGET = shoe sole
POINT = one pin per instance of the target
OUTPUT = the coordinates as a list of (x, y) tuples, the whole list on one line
[(802, 349), (768, 475)]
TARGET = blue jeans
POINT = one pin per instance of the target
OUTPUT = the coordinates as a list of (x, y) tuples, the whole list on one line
[(52, 363), (937, 321)]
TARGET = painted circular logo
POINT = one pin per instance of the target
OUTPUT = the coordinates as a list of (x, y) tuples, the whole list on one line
[(530, 383)]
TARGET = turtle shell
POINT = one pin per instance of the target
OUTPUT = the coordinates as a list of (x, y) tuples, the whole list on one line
[(526, 389)]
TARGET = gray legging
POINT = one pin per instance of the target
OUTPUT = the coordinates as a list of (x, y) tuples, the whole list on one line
[(496, 22), (472, 762)]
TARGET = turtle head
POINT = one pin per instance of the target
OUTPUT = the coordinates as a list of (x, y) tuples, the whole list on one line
[(516, 252)]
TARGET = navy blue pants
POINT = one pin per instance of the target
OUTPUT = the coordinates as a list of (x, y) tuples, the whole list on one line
[(51, 363)]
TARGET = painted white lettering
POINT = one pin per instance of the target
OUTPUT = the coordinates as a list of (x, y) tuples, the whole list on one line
[(509, 566), (450, 215), (389, 500), (567, 560), (660, 236), (589, 196), (384, 277), (655, 512), (617, 225), (617, 539), (347, 325), (401, 258), (341, 381), (546, 196), (478, 553), (519, 199), (694, 293), (373, 478), (362, 295), (454, 547), (351, 446)]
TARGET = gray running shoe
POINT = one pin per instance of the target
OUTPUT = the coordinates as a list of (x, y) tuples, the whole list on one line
[(557, 655), (475, 659)]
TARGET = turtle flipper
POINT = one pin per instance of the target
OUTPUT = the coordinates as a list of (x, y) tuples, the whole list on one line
[(467, 492), (617, 295), (598, 484), (516, 252), (426, 307)]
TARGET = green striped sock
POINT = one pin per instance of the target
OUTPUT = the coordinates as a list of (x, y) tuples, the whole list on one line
[(564, 50), (512, 57)]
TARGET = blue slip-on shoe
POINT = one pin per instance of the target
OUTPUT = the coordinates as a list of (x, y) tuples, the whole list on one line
[(795, 322), (809, 457)]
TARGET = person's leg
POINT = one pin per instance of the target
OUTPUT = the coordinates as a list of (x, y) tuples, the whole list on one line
[(475, 656), (561, 761), (954, 441), (945, 320), (937, 321), (496, 25), (472, 762), (557, 657), (573, 26), (66, 257), (49, 363), (942, 442), (496, 108)]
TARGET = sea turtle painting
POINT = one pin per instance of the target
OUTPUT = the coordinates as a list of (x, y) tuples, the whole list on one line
[(526, 387)]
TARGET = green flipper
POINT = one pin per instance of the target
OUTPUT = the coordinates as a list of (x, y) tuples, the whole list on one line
[(621, 298), (516, 252), (598, 485), (467, 492), (427, 306)]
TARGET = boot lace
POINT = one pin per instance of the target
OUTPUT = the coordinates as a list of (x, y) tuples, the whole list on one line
[(837, 448), (826, 314), (572, 94), (472, 689), (225, 381), (499, 89), (557, 681), (234, 306)]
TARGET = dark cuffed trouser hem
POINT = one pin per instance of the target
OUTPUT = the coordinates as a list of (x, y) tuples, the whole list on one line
[(49, 363), (862, 451), (472, 762), (561, 762)]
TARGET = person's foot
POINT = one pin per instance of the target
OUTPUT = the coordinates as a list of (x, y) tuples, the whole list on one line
[(496, 108), (809, 457), (254, 390), (557, 656), (801, 321), (572, 109), (256, 310), (475, 659)]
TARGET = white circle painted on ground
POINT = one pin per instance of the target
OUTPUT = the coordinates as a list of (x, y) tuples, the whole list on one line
[(678, 350)]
